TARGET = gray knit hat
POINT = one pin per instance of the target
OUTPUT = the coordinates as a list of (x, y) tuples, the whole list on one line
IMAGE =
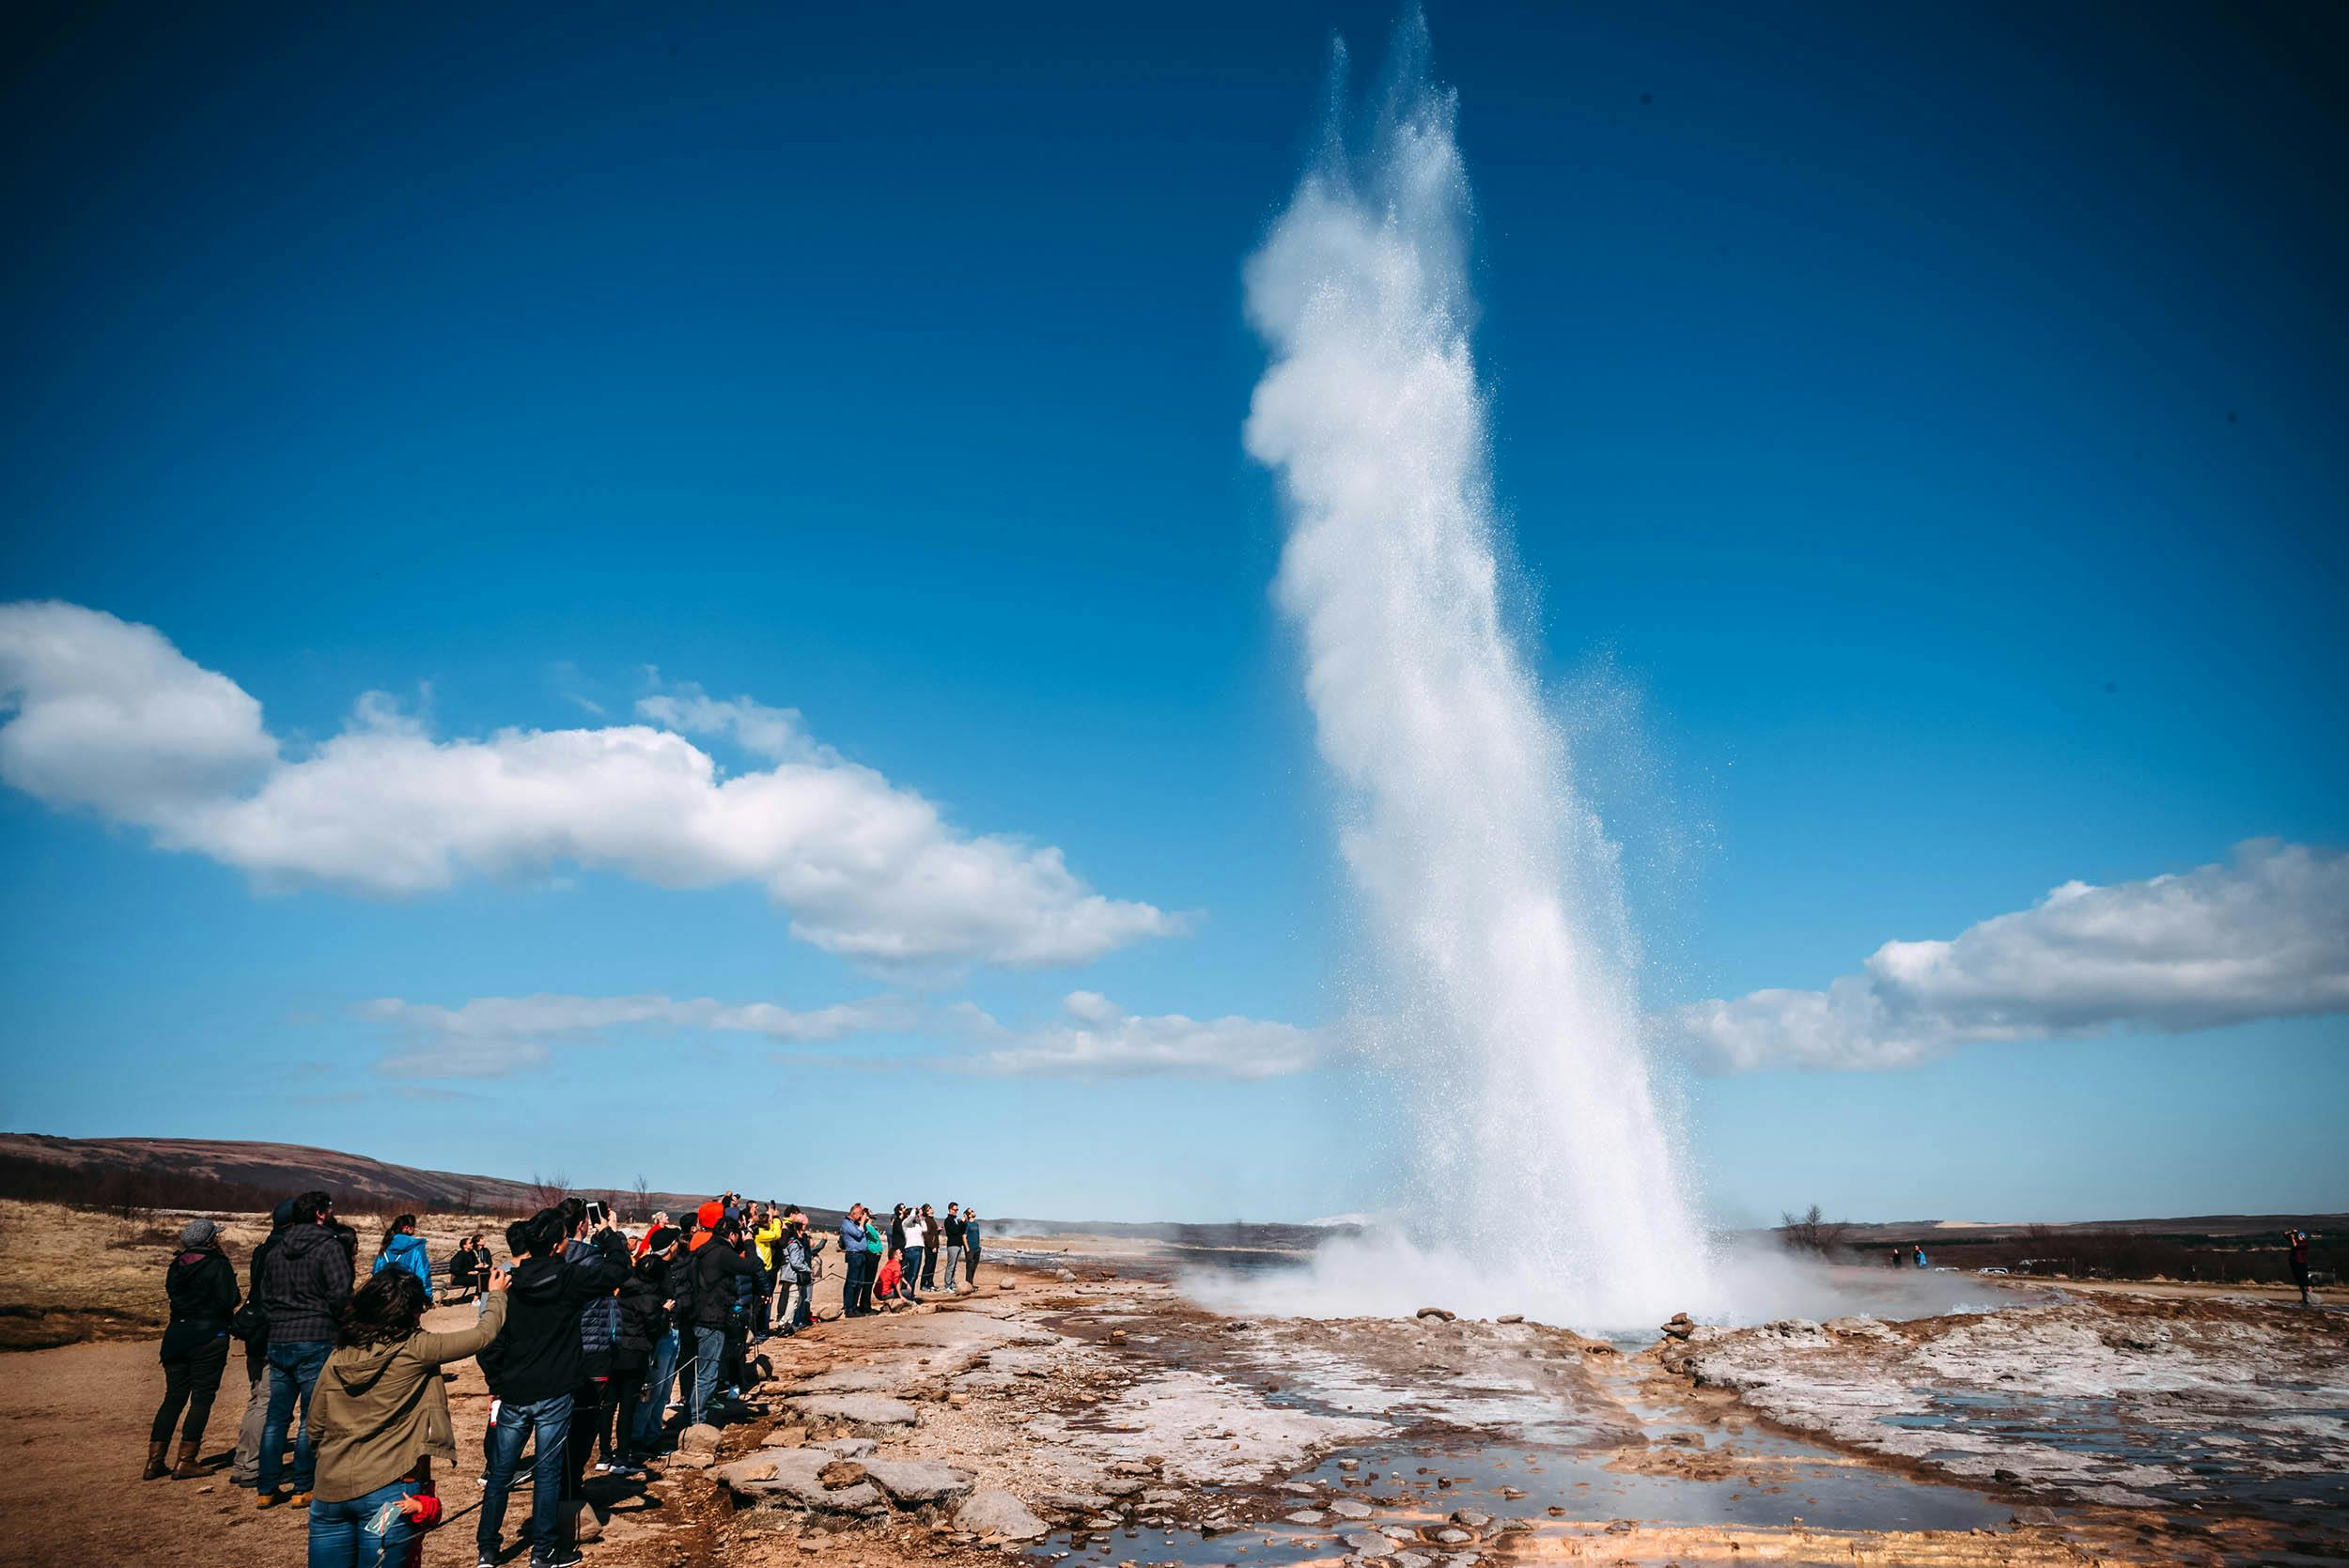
[(196, 1235)]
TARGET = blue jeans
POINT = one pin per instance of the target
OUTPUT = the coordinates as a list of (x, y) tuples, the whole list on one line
[(912, 1264), (293, 1372), (552, 1419), (649, 1418), (709, 1359), (804, 1313), (352, 1535)]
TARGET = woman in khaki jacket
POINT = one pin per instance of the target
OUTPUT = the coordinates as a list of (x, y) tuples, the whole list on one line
[(380, 1418)]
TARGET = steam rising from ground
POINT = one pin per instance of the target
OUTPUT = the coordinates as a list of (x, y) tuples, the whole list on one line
[(1540, 1166)]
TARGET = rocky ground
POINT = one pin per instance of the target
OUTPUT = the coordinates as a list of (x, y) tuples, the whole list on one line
[(1078, 1411)]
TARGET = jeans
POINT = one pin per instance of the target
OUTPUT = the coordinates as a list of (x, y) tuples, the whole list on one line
[(970, 1266), (664, 1374), (804, 1314), (293, 1369), (359, 1534), (552, 1419), (190, 1379), (946, 1271), (709, 1358), (852, 1278), (930, 1266), (912, 1266)]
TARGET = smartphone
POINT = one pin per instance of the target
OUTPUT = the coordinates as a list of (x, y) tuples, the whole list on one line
[(597, 1215)]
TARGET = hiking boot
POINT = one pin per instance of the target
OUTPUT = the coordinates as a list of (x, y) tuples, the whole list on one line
[(187, 1469), (268, 1499), (300, 1500), (155, 1470)]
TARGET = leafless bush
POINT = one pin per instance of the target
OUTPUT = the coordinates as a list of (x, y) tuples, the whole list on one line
[(1808, 1231)]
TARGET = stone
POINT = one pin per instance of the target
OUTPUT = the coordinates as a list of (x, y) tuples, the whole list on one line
[(795, 1477), (1510, 1317), (1452, 1535), (918, 1483), (1471, 1519), (1366, 1541), (849, 1448), (1437, 1314), (1063, 1276), (853, 1409), (1305, 1516), (1127, 1488), (958, 1400), (785, 1437), (839, 1473), (1349, 1508), (1005, 1285), (586, 1525), (1075, 1503), (701, 1438), (994, 1511)]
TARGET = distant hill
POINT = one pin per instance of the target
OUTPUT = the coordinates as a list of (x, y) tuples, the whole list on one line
[(178, 1173)]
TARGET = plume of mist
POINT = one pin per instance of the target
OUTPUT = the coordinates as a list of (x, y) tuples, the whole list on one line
[(1492, 893)]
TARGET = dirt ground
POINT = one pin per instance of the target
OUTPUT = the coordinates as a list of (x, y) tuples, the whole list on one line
[(1140, 1429)]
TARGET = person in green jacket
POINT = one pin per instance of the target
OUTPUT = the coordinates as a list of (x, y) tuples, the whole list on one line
[(380, 1418)]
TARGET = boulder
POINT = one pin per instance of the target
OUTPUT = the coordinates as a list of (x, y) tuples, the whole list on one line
[(698, 1438), (999, 1514), (870, 1410), (1437, 1314), (587, 1523), (1510, 1317), (793, 1476), (918, 1483)]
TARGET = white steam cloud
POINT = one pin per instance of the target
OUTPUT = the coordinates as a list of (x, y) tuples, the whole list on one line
[(107, 715), (2265, 936)]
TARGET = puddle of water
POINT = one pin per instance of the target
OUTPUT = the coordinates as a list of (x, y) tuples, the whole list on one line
[(1780, 1483)]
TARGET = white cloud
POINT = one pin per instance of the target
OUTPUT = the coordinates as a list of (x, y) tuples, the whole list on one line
[(2266, 936), (108, 716), (1099, 1039), (492, 1036)]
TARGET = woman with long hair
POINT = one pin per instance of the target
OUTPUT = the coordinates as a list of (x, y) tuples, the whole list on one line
[(381, 1416), (402, 1247), (202, 1286)]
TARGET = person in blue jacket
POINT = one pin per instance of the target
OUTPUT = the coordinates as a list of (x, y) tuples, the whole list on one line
[(404, 1248)]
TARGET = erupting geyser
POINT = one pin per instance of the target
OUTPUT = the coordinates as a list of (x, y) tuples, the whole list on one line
[(1544, 1175)]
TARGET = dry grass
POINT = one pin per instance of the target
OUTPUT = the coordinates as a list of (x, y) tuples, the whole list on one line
[(69, 1274)]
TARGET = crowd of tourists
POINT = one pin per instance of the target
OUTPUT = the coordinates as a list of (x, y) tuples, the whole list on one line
[(599, 1345)]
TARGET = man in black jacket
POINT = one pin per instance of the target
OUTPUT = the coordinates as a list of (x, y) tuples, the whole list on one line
[(716, 1266), (253, 1326), (304, 1286), (538, 1365)]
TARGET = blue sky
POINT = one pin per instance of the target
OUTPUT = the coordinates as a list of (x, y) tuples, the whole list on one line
[(1931, 420)]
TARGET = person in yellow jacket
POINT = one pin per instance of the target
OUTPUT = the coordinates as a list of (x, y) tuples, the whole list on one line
[(766, 1240)]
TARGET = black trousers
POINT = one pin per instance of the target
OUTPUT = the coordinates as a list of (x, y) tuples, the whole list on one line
[(190, 1379)]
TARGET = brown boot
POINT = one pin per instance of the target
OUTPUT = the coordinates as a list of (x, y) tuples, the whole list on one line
[(187, 1469), (155, 1468)]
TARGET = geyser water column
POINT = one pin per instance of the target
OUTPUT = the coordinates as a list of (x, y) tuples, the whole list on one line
[(1541, 1170)]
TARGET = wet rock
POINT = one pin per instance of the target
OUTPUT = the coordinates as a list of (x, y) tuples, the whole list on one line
[(1452, 1535), (998, 1513), (1436, 1314), (1305, 1516), (1350, 1508), (1366, 1541)]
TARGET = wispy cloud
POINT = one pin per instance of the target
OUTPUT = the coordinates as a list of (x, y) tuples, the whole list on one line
[(1095, 1038), (2264, 936), (108, 716), (494, 1036)]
